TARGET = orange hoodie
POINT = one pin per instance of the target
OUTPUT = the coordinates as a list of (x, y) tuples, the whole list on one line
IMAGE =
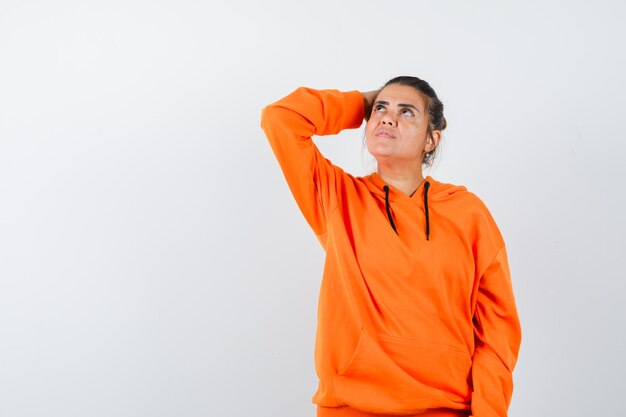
[(416, 312)]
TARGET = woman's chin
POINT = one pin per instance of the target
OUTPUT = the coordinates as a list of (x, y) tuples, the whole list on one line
[(382, 155)]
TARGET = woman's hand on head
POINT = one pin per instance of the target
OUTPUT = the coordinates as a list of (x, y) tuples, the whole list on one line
[(368, 102)]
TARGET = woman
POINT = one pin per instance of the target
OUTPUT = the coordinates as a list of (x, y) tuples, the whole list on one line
[(416, 311)]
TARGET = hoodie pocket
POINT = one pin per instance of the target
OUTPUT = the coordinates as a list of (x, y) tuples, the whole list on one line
[(396, 367), (358, 349)]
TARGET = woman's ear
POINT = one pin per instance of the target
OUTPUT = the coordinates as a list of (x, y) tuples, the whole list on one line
[(433, 141)]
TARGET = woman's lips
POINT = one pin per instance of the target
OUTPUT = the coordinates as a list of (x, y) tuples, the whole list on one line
[(385, 134)]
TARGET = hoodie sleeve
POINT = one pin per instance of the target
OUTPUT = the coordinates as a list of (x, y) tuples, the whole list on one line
[(289, 125), (498, 337)]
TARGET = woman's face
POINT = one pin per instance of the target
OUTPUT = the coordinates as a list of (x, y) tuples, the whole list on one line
[(398, 126)]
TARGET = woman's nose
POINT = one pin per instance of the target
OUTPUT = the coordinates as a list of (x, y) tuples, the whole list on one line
[(389, 120)]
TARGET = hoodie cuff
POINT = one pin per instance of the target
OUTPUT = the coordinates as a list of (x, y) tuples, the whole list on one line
[(353, 118)]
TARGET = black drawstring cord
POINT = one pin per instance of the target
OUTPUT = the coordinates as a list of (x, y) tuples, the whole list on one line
[(386, 188), (426, 187)]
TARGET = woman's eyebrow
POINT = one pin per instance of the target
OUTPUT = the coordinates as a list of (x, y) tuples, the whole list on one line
[(386, 103), (409, 105)]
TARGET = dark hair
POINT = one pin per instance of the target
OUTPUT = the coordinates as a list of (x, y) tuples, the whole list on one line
[(434, 108)]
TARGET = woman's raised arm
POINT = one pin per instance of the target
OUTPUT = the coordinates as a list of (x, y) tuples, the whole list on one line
[(289, 125)]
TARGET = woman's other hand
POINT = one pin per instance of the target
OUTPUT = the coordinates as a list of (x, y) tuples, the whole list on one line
[(368, 102)]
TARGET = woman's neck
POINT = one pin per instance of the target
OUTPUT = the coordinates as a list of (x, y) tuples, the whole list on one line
[(407, 182)]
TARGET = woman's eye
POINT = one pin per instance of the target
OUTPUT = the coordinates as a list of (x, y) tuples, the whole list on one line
[(406, 112), (379, 107)]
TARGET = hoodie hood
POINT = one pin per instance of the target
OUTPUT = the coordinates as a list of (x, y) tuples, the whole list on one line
[(429, 190), (437, 190)]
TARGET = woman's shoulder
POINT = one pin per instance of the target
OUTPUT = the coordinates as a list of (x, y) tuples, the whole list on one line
[(463, 204), (454, 194)]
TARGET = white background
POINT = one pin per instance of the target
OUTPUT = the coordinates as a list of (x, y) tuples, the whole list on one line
[(152, 259)]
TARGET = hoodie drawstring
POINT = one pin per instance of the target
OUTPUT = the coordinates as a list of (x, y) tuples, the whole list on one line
[(426, 187), (386, 188)]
